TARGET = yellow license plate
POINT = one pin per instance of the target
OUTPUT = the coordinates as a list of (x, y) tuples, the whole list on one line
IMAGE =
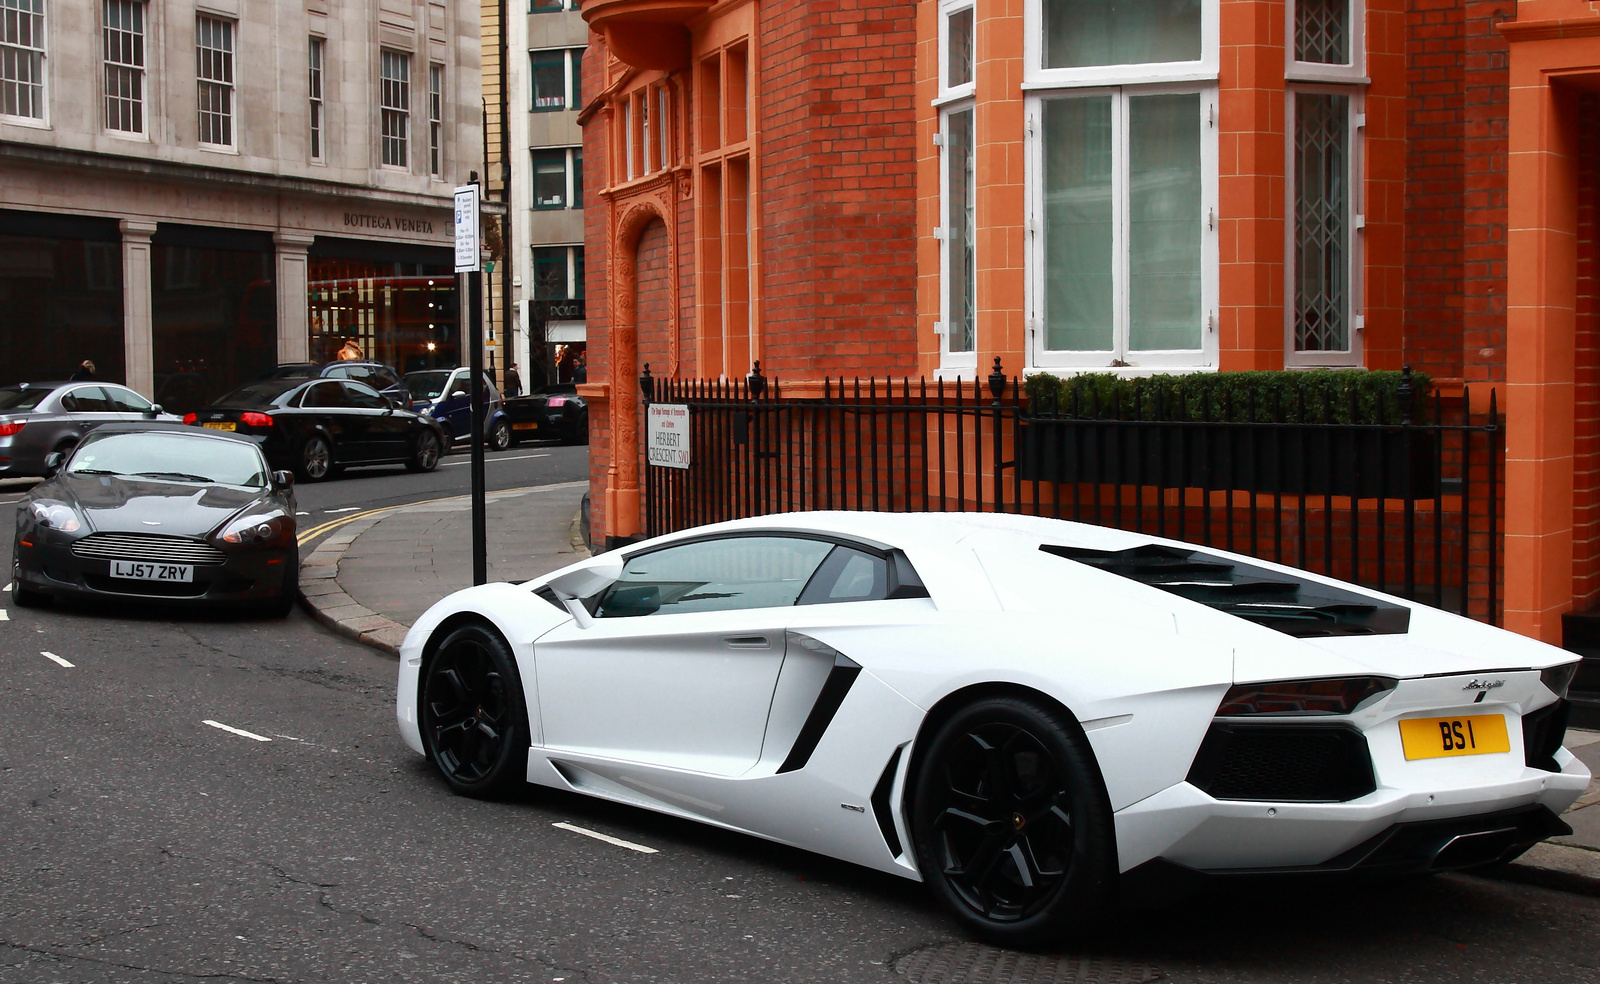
[(1479, 734), (221, 425), (533, 426)]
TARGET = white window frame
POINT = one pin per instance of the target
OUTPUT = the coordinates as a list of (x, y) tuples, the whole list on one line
[(1036, 76), (1141, 361), (227, 86), (949, 93), (1355, 220), (570, 199), (955, 361), (141, 71), (436, 162), (402, 113), (1355, 71), (42, 49), (567, 100), (316, 96)]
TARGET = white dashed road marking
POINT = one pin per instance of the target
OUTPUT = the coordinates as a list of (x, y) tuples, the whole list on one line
[(52, 657), (619, 842), (235, 731), (330, 512), (3, 616)]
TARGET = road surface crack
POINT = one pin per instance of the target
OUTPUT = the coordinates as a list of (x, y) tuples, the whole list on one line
[(45, 952)]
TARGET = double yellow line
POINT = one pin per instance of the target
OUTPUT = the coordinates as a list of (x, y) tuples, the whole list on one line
[(306, 536)]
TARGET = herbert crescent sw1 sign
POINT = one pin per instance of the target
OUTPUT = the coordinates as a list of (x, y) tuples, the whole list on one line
[(667, 435)]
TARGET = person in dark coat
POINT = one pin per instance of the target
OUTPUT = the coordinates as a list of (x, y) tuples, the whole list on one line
[(85, 371), (513, 381)]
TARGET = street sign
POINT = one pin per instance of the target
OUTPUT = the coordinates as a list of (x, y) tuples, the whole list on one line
[(467, 250), (667, 435)]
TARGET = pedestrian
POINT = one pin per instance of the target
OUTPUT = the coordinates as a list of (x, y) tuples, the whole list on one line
[(580, 369), (350, 351), (85, 371), (513, 385)]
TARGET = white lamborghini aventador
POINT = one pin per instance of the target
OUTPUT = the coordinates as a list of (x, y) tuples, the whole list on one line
[(1030, 715)]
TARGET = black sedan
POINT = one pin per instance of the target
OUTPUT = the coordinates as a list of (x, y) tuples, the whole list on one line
[(317, 427), (375, 374), (555, 411), (159, 512)]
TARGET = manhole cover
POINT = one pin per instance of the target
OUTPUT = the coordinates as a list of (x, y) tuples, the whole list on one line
[(974, 963)]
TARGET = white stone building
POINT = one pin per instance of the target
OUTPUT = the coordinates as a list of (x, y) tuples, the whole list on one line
[(193, 190)]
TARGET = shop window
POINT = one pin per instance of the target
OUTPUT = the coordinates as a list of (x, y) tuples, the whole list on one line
[(1324, 246), (395, 107), (123, 36), (1126, 259), (213, 306), (22, 59), (213, 49), (315, 88), (402, 314), (556, 77), (61, 291), (436, 120)]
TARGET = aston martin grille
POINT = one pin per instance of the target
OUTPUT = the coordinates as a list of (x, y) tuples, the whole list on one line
[(148, 547)]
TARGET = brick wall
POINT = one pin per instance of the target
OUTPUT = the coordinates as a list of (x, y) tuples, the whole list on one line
[(1586, 435), (838, 187), (653, 298), (596, 301)]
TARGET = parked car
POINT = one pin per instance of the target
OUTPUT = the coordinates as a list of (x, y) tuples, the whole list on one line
[(554, 411), (445, 395), (38, 418), (159, 512), (318, 427), (375, 374), (1027, 714)]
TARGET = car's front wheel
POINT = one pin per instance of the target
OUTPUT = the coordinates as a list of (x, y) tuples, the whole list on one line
[(472, 716), (500, 436), (316, 459), (424, 453), (1011, 823)]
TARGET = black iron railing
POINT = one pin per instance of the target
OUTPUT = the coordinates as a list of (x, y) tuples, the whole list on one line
[(1412, 506)]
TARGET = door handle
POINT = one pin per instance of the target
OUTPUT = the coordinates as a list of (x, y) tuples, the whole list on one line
[(747, 642)]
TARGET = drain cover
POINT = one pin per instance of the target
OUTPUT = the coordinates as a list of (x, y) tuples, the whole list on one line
[(973, 963)]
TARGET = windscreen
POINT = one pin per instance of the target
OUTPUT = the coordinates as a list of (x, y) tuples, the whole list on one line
[(20, 398), (170, 457), (428, 384)]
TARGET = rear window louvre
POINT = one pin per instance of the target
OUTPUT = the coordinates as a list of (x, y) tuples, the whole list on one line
[(1277, 601)]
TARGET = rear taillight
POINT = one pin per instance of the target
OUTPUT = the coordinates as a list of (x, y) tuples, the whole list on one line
[(556, 401), (1557, 678), (190, 418), (1303, 697), (253, 419), (10, 428)]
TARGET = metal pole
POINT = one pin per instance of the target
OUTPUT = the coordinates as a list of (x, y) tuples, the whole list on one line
[(480, 520)]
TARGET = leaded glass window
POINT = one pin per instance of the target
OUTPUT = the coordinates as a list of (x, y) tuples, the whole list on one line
[(22, 58), (1322, 247)]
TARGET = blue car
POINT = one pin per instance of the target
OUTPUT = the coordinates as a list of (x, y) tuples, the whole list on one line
[(445, 395)]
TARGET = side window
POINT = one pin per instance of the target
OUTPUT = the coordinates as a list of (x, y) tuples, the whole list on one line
[(126, 400), (848, 575), (324, 395), (86, 399), (364, 397), (383, 379), (459, 386), (337, 372), (715, 575)]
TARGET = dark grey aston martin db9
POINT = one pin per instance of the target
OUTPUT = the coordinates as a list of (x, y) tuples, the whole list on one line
[(159, 512)]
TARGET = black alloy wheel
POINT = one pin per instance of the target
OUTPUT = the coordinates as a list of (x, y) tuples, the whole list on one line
[(316, 459), (21, 596), (424, 452), (1012, 827), (473, 721), (500, 436)]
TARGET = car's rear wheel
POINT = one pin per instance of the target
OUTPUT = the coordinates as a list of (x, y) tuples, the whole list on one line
[(424, 452), (316, 459), (473, 720), (577, 433), (1011, 823), (21, 595), (500, 436)]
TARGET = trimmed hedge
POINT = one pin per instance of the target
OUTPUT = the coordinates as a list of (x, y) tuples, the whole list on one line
[(1339, 396)]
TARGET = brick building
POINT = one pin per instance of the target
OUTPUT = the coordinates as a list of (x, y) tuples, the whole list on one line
[(915, 188)]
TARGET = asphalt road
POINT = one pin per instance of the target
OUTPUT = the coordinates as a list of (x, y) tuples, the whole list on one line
[(144, 843)]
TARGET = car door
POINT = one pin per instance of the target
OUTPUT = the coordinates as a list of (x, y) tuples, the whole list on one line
[(128, 405), (679, 664), (328, 405), (388, 432), (88, 406), (455, 406)]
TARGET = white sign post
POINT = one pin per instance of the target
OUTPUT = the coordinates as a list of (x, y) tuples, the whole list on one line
[(667, 435), (467, 251)]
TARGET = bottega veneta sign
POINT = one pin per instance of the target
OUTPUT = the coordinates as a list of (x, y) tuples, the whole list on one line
[(391, 223)]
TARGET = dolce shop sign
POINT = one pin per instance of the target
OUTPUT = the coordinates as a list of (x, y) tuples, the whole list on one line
[(667, 435)]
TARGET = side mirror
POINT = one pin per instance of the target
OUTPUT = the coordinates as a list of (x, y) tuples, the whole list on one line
[(52, 463), (457, 393), (587, 578), (282, 481), (154, 411)]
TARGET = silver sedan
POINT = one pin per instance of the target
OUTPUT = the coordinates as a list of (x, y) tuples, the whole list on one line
[(38, 418)]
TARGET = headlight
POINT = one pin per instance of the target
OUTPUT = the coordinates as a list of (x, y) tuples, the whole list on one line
[(1303, 697), (54, 515), (426, 411), (258, 530)]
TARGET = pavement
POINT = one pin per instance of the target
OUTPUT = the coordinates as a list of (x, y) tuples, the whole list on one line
[(378, 571)]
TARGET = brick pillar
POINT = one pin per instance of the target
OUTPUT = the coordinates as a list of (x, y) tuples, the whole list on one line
[(137, 327), (293, 327)]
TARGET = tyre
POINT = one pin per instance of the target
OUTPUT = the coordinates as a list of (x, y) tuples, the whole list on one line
[(499, 436), (471, 713), (424, 452), (578, 434), (23, 597), (316, 460), (1011, 823)]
